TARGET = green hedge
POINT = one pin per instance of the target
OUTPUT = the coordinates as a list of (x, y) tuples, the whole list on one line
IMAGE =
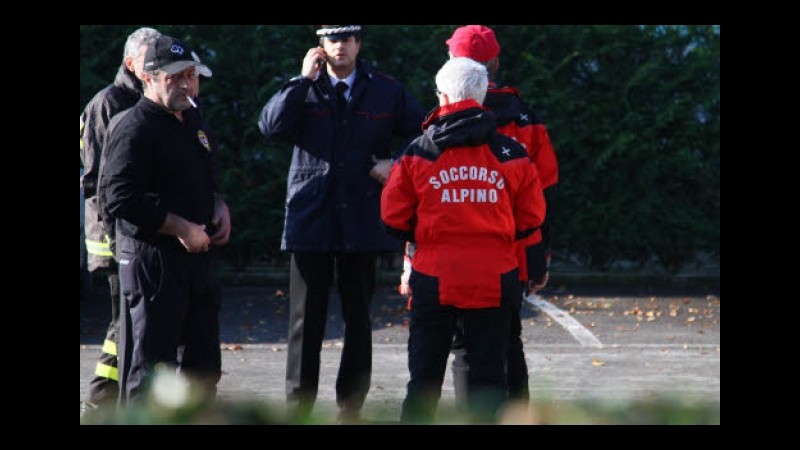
[(633, 112)]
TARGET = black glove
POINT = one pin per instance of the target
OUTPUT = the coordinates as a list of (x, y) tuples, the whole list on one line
[(537, 261)]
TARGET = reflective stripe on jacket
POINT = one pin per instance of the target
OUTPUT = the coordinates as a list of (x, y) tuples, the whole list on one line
[(114, 98)]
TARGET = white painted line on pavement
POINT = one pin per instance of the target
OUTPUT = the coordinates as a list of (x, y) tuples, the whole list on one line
[(578, 331)]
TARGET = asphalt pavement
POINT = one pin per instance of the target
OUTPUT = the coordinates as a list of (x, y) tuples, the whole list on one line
[(583, 344)]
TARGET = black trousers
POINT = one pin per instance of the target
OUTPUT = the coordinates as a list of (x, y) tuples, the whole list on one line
[(170, 316), (310, 280), (516, 366), (430, 338), (103, 387)]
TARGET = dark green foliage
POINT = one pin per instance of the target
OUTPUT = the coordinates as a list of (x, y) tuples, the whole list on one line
[(633, 112)]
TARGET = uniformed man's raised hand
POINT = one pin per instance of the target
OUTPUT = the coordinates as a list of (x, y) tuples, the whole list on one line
[(313, 63)]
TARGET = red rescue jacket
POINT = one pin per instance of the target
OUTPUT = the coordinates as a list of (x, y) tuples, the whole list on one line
[(464, 193)]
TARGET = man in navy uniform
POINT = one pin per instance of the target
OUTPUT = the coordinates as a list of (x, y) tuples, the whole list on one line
[(345, 120)]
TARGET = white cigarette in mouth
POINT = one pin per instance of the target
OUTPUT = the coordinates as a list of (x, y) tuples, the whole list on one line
[(191, 101)]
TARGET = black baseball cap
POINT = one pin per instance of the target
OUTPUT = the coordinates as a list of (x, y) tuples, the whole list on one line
[(169, 55)]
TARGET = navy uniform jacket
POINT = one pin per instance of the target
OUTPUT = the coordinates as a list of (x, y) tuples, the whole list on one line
[(332, 204)]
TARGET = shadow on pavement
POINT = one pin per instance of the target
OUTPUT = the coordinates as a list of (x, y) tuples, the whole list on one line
[(254, 314), (260, 314)]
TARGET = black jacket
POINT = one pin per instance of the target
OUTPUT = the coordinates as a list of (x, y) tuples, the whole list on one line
[(113, 99), (155, 164), (332, 204)]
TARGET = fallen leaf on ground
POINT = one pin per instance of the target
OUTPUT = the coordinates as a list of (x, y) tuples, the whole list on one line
[(597, 363)]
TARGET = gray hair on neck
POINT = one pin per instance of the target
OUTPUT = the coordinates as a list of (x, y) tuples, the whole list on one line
[(136, 39)]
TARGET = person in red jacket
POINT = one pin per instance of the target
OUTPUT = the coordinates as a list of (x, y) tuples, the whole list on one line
[(464, 193), (516, 120)]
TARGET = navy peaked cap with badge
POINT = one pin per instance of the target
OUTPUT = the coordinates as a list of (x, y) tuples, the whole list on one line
[(339, 32)]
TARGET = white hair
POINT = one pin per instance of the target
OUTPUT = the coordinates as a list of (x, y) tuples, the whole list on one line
[(136, 39), (463, 78)]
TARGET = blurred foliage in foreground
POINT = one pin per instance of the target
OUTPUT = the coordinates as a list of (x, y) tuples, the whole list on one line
[(649, 412), (173, 401)]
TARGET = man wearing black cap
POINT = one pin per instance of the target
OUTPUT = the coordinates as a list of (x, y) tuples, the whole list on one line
[(158, 185), (342, 117)]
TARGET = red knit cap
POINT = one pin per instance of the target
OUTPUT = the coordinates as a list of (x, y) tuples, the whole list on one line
[(475, 42)]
